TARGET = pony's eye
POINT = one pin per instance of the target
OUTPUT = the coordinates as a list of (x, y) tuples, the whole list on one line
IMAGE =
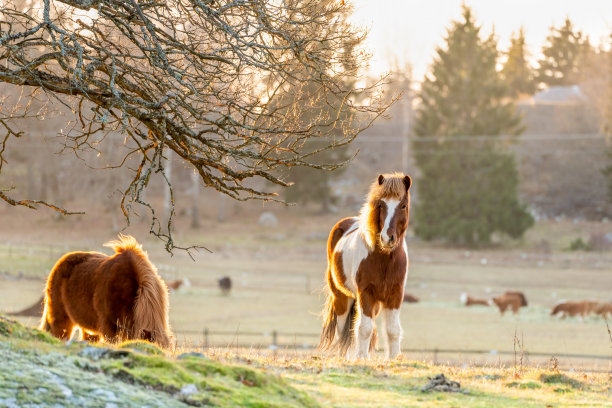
[(404, 207)]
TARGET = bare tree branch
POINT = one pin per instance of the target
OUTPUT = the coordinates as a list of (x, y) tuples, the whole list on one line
[(199, 77)]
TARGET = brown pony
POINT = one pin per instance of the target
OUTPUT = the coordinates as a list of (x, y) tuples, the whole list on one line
[(35, 310), (175, 284), (118, 297), (470, 301), (583, 309), (367, 268), (604, 309), (510, 299)]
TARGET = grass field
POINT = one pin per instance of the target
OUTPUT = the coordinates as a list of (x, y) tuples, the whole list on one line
[(278, 281)]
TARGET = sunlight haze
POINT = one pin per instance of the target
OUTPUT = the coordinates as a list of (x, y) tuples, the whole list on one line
[(409, 31)]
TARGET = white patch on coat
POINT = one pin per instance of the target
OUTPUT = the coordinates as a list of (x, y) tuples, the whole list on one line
[(353, 250), (391, 207)]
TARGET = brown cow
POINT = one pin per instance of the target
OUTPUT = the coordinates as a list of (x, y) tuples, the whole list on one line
[(36, 310), (470, 301), (408, 298), (582, 309), (604, 310), (510, 299), (175, 284)]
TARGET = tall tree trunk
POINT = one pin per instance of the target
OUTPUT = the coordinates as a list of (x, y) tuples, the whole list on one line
[(195, 200)]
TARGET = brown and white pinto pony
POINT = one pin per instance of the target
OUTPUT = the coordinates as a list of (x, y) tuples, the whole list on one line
[(113, 298), (367, 268)]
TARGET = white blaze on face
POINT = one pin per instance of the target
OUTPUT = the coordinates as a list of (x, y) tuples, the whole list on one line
[(391, 206)]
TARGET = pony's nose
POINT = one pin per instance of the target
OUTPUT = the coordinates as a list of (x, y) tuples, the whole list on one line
[(391, 238)]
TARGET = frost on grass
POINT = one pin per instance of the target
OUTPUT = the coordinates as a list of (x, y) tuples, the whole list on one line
[(32, 379), (38, 371)]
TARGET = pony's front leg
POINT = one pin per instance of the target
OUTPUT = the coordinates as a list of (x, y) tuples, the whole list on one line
[(394, 331), (364, 335)]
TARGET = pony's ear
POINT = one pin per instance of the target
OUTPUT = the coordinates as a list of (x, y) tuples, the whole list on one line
[(381, 178), (407, 182)]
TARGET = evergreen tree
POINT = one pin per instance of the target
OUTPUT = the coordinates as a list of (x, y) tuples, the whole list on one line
[(564, 54), (516, 71), (468, 188), (604, 102)]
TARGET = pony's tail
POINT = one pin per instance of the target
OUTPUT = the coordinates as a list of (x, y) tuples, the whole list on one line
[(347, 335), (330, 323), (150, 319)]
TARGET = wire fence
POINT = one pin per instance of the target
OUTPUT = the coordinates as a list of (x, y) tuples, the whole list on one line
[(278, 340)]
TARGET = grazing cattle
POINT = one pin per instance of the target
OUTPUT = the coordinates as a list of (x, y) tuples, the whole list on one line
[(35, 310), (510, 299), (367, 268), (470, 301), (604, 310), (114, 298), (408, 298), (581, 309), (225, 284), (175, 284)]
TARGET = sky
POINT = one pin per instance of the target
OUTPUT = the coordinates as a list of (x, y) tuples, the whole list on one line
[(408, 31)]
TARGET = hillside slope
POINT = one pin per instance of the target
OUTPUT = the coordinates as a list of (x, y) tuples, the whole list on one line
[(40, 371)]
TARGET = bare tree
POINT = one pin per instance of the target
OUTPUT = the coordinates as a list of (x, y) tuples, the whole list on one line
[(199, 78)]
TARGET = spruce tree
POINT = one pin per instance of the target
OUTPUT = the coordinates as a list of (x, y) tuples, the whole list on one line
[(468, 187), (564, 53), (516, 71)]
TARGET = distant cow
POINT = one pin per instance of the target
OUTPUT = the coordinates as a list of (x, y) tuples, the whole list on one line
[(35, 310), (225, 284), (175, 284), (582, 309), (604, 309), (408, 298), (510, 299), (470, 301)]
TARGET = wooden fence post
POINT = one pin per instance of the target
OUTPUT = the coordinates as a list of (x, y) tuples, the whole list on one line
[(206, 337), (274, 340)]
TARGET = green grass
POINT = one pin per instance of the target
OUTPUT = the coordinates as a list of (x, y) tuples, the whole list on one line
[(379, 383), (41, 371)]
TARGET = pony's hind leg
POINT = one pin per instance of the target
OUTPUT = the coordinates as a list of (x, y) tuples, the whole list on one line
[(57, 321)]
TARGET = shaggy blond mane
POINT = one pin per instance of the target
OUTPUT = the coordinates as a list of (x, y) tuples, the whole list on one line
[(124, 243), (392, 187)]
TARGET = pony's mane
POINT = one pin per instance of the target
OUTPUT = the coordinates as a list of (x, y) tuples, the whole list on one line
[(124, 243), (392, 187)]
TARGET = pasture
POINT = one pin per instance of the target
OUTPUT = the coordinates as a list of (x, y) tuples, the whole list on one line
[(278, 276)]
